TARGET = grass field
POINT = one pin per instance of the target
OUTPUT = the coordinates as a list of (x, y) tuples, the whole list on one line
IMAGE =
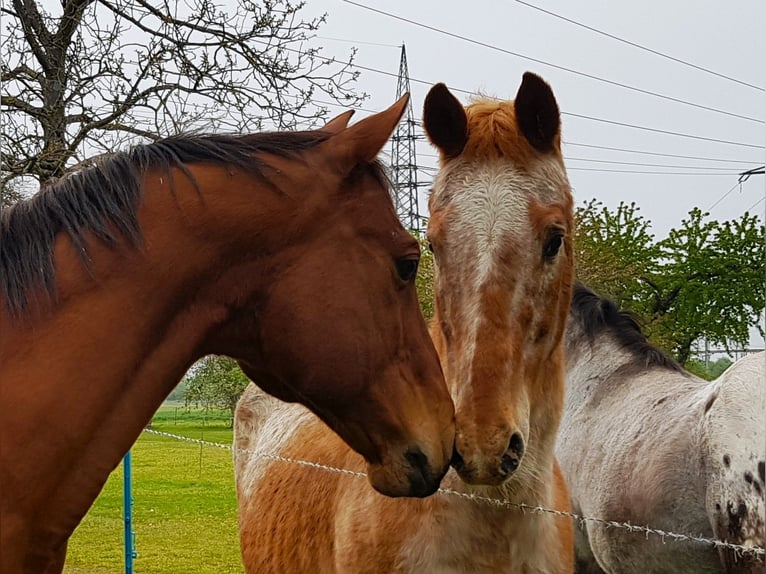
[(184, 511)]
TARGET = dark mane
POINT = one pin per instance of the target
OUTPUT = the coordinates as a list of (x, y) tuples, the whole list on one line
[(596, 314), (102, 199)]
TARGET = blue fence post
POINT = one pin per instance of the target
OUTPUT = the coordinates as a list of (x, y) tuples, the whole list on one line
[(127, 503)]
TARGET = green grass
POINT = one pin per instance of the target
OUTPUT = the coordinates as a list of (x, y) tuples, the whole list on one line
[(184, 511)]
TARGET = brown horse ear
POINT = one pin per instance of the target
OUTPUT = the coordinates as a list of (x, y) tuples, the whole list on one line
[(445, 121), (338, 123), (537, 112), (362, 142)]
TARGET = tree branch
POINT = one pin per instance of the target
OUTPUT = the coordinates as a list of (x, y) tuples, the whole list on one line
[(17, 103), (34, 27)]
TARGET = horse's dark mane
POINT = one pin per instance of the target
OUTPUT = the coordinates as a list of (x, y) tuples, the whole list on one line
[(596, 314), (103, 198)]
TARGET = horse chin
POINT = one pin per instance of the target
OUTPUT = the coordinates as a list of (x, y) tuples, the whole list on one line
[(474, 478), (400, 480)]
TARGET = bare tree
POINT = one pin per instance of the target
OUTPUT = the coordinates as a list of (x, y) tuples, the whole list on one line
[(10, 194), (99, 73)]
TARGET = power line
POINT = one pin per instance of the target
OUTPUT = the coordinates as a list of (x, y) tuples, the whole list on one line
[(725, 195), (727, 169), (579, 144), (639, 46), (361, 42), (581, 116), (648, 172), (644, 152), (755, 204), (551, 65), (642, 172), (594, 160), (745, 175), (666, 132), (592, 146)]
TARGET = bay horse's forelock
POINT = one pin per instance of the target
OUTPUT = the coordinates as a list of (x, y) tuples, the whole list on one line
[(282, 251), (500, 228)]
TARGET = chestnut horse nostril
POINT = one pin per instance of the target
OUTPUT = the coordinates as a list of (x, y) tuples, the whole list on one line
[(512, 458), (516, 445), (509, 463)]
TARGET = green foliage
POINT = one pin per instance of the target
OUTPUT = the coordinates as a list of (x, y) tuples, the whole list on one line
[(613, 250), (712, 281), (711, 371), (179, 393), (425, 279), (716, 368), (215, 382), (706, 279)]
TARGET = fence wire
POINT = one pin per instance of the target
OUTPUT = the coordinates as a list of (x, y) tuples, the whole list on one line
[(738, 549)]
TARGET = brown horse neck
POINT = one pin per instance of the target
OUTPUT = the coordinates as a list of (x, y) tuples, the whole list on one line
[(141, 318)]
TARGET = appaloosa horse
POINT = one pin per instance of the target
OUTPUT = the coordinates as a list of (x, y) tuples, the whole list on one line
[(501, 232), (281, 250), (643, 441)]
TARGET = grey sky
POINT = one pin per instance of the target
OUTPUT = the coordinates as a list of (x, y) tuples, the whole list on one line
[(726, 37)]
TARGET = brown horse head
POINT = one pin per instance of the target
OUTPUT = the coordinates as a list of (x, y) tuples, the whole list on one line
[(501, 231), (338, 326)]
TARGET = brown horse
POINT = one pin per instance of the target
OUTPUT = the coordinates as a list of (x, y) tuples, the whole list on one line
[(501, 229), (281, 250)]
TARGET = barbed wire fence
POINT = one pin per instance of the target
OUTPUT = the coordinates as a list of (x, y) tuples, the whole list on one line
[(665, 536)]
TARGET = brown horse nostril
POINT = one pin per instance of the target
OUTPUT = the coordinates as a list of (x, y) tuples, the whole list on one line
[(422, 481), (417, 460)]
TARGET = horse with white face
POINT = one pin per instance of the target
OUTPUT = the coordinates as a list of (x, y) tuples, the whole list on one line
[(501, 227), (643, 441)]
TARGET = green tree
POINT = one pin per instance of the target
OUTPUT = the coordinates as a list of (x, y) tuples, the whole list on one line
[(86, 76), (614, 251), (711, 282), (215, 382), (706, 279)]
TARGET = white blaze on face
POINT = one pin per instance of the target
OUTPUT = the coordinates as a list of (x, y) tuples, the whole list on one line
[(487, 214)]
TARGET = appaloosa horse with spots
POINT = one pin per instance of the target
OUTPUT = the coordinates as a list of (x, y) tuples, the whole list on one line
[(501, 231), (643, 441), (282, 250)]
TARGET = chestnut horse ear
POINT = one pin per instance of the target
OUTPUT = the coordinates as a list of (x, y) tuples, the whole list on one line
[(445, 121), (338, 123), (362, 142), (537, 113)]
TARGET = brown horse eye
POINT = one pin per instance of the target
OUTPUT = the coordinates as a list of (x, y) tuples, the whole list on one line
[(430, 247), (407, 268), (552, 245)]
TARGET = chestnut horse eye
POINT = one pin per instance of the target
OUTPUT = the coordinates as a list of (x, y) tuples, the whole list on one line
[(553, 244), (407, 268), (430, 247)]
